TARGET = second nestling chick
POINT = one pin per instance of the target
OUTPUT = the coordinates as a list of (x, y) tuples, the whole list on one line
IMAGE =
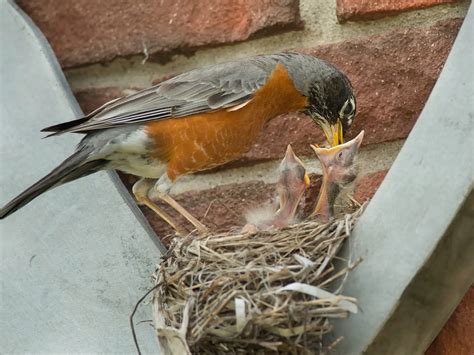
[(291, 185), (339, 169)]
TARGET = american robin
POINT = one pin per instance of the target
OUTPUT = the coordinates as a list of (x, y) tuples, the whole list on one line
[(291, 185), (196, 121), (339, 169)]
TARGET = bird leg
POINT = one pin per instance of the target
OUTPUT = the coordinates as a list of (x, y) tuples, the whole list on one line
[(140, 191), (201, 228), (160, 191)]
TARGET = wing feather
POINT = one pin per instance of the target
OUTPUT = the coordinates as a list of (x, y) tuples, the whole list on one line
[(225, 85)]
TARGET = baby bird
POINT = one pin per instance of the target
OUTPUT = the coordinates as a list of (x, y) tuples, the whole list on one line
[(339, 169), (292, 183)]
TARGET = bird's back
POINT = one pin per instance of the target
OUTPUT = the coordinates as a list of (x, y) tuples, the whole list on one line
[(202, 90)]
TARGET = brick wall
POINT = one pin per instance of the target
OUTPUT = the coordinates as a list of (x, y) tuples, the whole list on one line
[(393, 52)]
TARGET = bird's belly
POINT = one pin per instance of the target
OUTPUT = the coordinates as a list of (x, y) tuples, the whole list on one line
[(130, 152), (202, 142), (138, 165)]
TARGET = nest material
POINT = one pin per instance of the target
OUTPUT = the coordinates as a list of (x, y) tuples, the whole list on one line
[(234, 293)]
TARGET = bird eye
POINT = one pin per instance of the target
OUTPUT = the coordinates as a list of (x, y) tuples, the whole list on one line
[(349, 109), (300, 172), (339, 155)]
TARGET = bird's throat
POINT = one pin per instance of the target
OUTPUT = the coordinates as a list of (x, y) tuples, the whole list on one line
[(326, 198)]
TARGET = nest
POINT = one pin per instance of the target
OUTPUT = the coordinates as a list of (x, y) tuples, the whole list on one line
[(237, 293)]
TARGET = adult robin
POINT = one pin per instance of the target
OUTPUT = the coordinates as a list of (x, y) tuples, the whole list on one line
[(196, 121)]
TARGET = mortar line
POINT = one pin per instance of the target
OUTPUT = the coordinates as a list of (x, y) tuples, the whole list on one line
[(371, 159)]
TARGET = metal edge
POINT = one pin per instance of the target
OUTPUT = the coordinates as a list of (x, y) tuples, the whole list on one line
[(56, 69), (130, 201)]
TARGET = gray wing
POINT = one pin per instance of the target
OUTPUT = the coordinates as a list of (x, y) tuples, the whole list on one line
[(202, 90)]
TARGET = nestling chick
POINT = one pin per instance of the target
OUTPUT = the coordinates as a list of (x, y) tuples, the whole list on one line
[(291, 185), (339, 169)]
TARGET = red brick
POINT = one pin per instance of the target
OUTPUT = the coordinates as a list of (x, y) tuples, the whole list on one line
[(353, 10), (392, 74), (367, 185), (456, 338), (84, 31)]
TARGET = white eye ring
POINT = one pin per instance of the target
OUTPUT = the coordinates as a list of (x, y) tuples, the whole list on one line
[(343, 112), (349, 120)]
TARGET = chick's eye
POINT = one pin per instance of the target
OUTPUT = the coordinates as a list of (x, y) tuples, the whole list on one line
[(340, 155), (300, 172)]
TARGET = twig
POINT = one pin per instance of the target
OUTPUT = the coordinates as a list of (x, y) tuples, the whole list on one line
[(208, 209), (132, 326), (145, 52)]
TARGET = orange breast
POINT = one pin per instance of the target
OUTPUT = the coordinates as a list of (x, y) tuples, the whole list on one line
[(199, 142)]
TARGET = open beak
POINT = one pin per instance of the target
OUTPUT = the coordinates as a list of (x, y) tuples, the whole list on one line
[(307, 181), (291, 159), (333, 132), (290, 156), (324, 154)]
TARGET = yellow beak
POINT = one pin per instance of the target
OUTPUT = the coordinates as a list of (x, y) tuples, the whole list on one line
[(333, 133), (329, 153), (307, 181)]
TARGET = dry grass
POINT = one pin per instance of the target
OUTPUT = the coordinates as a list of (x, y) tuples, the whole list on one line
[(271, 291)]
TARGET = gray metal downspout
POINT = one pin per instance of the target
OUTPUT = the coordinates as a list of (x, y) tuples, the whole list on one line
[(416, 236)]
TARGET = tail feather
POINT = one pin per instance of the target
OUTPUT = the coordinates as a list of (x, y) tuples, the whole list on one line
[(72, 168), (64, 127)]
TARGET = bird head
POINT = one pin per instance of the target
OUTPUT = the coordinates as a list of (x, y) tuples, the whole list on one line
[(331, 101), (338, 162), (292, 181), (339, 169), (332, 105)]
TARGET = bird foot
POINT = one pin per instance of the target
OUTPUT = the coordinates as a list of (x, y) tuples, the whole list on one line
[(140, 190), (160, 191)]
